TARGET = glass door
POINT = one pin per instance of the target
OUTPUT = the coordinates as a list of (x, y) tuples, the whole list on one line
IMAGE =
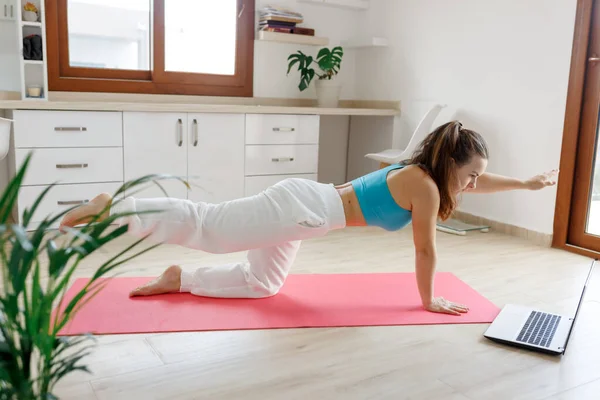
[(584, 227)]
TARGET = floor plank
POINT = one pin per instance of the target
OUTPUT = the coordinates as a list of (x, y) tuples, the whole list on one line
[(587, 391)]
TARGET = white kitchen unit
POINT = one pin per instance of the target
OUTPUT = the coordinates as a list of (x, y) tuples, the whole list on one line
[(279, 146), (223, 156), (67, 129), (224, 152), (207, 150), (282, 129), (80, 151), (155, 143), (215, 158), (8, 9)]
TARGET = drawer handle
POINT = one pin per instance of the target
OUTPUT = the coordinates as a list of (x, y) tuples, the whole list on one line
[(280, 159), (70, 128), (67, 166), (180, 132), (195, 128), (71, 202), (283, 129)]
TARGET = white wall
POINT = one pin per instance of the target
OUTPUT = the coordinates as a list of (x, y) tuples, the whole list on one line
[(503, 64), (333, 146), (9, 60), (270, 59)]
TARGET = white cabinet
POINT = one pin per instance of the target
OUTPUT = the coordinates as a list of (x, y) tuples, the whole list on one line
[(223, 156), (205, 149), (281, 159), (62, 197), (84, 165), (80, 151), (8, 9), (215, 159), (40, 128), (155, 143), (282, 129), (280, 147)]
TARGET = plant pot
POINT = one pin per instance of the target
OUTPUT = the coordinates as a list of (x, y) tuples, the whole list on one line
[(30, 16), (328, 93)]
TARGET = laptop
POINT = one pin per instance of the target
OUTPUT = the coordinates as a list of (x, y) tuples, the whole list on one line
[(533, 329)]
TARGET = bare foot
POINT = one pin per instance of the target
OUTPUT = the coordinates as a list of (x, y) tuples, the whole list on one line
[(87, 212), (168, 282)]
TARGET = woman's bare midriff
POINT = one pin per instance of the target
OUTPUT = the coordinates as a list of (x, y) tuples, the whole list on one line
[(399, 183), (352, 211)]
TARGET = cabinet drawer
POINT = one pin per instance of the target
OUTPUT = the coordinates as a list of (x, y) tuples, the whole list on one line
[(256, 184), (84, 165), (61, 197), (282, 129), (34, 128), (281, 159)]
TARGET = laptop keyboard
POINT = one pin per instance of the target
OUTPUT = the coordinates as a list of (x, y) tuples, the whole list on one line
[(539, 329)]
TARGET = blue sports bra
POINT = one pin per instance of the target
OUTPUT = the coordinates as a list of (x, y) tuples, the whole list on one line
[(376, 202)]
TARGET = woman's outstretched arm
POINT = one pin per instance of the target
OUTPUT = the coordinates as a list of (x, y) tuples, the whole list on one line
[(490, 183)]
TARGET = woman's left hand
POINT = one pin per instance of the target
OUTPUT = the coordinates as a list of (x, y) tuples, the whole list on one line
[(541, 181)]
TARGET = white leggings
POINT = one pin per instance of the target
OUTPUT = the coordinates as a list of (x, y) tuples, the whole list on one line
[(270, 225)]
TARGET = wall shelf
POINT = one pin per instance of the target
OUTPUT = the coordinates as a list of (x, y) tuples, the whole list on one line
[(348, 4), (33, 73), (291, 38), (28, 23), (364, 42)]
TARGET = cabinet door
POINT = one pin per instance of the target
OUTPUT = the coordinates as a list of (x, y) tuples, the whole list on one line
[(8, 9), (216, 157), (156, 143)]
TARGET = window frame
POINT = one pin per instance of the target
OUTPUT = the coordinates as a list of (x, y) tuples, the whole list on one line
[(63, 77), (572, 195)]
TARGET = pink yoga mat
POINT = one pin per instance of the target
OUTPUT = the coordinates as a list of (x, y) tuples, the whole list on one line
[(314, 300)]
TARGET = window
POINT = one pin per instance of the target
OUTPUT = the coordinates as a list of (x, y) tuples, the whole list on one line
[(199, 47)]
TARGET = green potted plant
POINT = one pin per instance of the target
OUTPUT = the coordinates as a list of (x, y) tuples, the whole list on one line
[(329, 63), (37, 266)]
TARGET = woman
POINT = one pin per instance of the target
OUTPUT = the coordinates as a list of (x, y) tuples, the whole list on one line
[(272, 224)]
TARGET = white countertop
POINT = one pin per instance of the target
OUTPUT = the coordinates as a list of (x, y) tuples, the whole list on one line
[(152, 103), (188, 107)]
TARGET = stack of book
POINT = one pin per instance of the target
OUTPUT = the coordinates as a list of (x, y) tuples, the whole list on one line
[(283, 20)]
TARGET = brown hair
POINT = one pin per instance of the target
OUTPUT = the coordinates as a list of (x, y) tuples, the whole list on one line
[(448, 147)]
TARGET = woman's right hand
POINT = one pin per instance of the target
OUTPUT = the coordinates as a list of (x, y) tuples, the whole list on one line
[(441, 305)]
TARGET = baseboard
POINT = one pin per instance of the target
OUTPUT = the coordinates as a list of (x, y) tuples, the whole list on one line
[(541, 239)]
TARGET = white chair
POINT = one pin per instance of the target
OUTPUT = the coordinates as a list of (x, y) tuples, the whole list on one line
[(392, 156), (5, 125)]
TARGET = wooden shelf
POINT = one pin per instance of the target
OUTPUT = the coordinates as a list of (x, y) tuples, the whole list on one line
[(348, 4), (364, 42), (28, 23), (291, 38)]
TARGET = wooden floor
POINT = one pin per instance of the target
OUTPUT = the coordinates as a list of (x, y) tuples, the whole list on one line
[(445, 362)]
